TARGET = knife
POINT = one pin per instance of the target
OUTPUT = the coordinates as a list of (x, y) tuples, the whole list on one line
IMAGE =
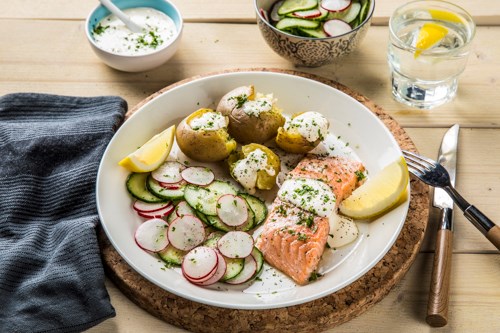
[(437, 306)]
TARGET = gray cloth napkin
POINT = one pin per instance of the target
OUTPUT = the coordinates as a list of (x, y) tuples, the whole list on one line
[(51, 275)]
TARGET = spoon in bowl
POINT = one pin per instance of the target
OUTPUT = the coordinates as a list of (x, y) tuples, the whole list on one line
[(121, 15)]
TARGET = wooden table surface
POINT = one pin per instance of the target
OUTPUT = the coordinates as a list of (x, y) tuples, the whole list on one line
[(44, 49)]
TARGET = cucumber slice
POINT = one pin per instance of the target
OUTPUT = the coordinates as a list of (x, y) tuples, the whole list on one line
[(258, 207), (289, 23), (323, 16), (363, 13), (162, 192), (171, 217), (216, 223), (352, 13), (212, 239), (136, 186), (204, 199), (171, 255), (315, 33), (259, 258), (234, 267), (202, 217), (290, 6)]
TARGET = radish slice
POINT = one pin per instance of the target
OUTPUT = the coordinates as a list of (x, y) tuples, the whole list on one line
[(219, 273), (169, 172), (249, 269), (186, 232), (152, 235), (232, 210), (264, 15), (183, 208), (336, 27), (306, 14), (173, 186), (335, 5), (158, 213), (200, 264), (198, 175), (141, 206), (274, 12), (236, 244)]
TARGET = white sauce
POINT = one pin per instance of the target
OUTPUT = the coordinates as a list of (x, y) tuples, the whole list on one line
[(112, 35), (311, 195), (343, 231), (311, 125), (333, 145), (209, 121), (245, 170), (262, 103)]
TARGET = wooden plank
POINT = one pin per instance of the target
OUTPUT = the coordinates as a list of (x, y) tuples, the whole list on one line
[(54, 56), (474, 296), (485, 12)]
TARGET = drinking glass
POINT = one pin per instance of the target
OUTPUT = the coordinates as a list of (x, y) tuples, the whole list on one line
[(428, 49)]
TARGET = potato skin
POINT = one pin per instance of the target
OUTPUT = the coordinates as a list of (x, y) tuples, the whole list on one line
[(247, 128), (293, 142), (203, 145), (264, 180)]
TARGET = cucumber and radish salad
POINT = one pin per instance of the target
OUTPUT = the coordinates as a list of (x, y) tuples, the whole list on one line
[(198, 223), (317, 18)]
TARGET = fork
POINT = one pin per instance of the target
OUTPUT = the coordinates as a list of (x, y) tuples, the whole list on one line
[(434, 174)]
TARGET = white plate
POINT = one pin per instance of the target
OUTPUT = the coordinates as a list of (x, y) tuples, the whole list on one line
[(366, 134)]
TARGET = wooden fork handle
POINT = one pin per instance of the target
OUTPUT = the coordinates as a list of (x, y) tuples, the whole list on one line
[(437, 306), (493, 236), (484, 224)]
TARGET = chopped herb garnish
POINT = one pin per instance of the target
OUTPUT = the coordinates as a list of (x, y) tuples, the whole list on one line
[(99, 29)]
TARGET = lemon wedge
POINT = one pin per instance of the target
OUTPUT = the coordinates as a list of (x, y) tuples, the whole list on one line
[(379, 194), (152, 154), (430, 34), (444, 15)]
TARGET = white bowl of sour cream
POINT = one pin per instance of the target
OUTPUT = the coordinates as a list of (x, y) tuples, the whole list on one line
[(122, 49)]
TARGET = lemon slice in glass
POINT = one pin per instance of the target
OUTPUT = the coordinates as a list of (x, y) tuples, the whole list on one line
[(379, 194), (430, 34), (444, 15), (152, 154)]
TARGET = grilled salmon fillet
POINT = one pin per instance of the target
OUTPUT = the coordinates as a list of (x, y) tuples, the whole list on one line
[(293, 239)]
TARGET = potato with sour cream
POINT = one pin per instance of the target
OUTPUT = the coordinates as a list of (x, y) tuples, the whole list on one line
[(253, 117), (254, 167), (203, 136), (303, 132)]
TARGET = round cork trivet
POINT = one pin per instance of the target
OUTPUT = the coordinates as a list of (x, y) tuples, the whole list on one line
[(314, 316)]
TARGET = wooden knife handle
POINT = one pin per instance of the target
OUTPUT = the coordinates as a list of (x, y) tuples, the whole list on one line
[(493, 236), (437, 306)]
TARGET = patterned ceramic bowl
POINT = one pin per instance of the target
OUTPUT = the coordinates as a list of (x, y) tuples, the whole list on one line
[(308, 51)]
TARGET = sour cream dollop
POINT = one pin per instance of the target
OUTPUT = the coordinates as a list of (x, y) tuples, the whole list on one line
[(209, 121), (245, 170), (311, 195), (262, 103), (310, 125), (112, 35)]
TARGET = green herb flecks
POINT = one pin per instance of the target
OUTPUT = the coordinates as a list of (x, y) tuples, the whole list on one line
[(360, 175), (99, 29)]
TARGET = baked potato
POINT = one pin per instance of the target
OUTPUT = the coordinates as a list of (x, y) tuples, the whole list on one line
[(203, 136), (255, 167), (253, 117), (303, 132)]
